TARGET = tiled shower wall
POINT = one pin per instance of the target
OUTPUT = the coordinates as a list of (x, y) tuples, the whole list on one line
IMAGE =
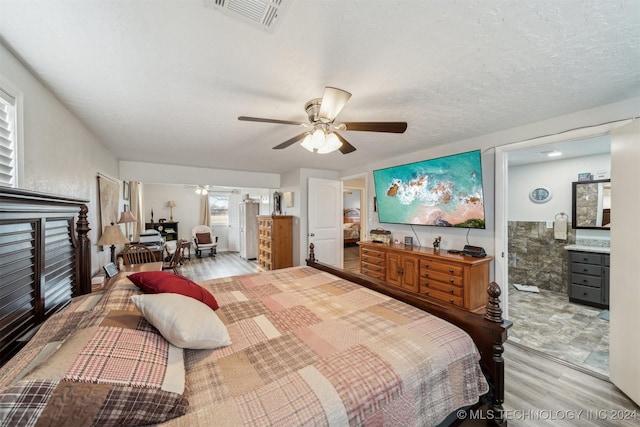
[(536, 258)]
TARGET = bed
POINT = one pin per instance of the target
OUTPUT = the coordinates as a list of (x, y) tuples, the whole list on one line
[(351, 225), (308, 345)]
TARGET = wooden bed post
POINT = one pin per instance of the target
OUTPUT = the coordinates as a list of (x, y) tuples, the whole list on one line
[(312, 254), (83, 283), (494, 314)]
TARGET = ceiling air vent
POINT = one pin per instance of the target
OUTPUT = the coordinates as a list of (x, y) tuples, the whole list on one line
[(265, 14)]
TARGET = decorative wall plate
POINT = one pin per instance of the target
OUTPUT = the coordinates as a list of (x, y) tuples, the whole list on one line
[(540, 195)]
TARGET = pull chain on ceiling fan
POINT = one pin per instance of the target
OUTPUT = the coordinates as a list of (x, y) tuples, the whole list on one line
[(323, 138)]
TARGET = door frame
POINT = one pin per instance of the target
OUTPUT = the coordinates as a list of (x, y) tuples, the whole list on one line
[(502, 189)]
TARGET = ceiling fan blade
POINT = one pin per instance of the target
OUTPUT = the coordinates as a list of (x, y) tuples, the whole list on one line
[(346, 148), (392, 127), (281, 122), (291, 141), (333, 100)]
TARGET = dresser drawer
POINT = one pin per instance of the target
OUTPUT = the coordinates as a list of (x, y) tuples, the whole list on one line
[(585, 293), (372, 260), (442, 296), (370, 254), (373, 273), (373, 267), (433, 265), (584, 280), (440, 277), (590, 269), (439, 286), (586, 258)]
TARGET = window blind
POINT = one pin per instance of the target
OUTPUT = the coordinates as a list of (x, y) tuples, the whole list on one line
[(7, 139)]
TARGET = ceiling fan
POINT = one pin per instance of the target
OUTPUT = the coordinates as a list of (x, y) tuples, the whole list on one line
[(322, 136)]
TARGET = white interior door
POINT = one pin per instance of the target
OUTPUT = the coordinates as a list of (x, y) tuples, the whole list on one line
[(325, 220), (624, 292)]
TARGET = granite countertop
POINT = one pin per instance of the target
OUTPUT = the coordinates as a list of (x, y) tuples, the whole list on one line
[(584, 248)]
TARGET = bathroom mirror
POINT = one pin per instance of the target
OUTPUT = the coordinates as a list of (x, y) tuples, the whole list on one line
[(591, 204)]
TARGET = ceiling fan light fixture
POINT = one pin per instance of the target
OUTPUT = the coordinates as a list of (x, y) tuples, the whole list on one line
[(306, 143), (203, 191), (332, 143), (317, 138)]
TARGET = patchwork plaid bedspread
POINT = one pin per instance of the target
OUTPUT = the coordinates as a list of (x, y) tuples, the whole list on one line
[(309, 348)]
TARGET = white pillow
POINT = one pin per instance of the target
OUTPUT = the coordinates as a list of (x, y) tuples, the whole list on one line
[(184, 321)]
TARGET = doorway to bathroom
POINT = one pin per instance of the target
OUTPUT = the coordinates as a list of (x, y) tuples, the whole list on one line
[(539, 233)]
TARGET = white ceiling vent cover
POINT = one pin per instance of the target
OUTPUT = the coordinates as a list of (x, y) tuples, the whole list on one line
[(265, 14)]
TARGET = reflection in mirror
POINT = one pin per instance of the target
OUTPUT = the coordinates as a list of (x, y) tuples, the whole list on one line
[(592, 204)]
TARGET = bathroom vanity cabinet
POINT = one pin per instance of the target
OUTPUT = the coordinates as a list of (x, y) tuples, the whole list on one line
[(589, 278)]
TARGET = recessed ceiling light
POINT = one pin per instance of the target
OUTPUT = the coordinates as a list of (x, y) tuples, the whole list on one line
[(554, 153)]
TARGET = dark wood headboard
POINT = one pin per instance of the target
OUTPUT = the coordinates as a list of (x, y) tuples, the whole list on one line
[(44, 261)]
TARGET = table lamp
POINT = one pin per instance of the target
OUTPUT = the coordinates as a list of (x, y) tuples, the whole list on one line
[(171, 204), (125, 218), (112, 235)]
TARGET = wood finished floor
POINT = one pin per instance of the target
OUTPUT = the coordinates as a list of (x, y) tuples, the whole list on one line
[(539, 391)]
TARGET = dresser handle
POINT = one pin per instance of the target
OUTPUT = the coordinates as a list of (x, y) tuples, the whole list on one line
[(426, 292), (451, 291), (451, 270), (426, 283), (585, 270), (451, 280), (426, 275), (451, 300), (426, 266)]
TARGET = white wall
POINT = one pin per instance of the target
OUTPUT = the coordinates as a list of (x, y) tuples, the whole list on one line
[(557, 175), (351, 199), (60, 154), (172, 174), (187, 210)]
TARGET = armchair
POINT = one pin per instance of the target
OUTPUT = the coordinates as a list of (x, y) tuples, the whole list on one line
[(204, 240)]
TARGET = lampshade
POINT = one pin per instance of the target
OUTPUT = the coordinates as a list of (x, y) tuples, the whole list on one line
[(126, 216), (320, 141), (332, 143), (112, 235), (317, 138), (306, 143), (171, 204)]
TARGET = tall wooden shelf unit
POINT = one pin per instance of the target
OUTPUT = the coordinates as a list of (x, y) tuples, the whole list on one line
[(275, 241)]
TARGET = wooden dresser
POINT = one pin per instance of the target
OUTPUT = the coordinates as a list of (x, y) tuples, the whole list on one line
[(456, 279), (275, 241)]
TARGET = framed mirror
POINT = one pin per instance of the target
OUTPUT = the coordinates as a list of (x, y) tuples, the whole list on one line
[(591, 202)]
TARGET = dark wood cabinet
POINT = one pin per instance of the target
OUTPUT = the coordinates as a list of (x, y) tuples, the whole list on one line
[(589, 278), (168, 230)]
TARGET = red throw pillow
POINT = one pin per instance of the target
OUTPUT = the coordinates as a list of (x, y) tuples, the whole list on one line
[(158, 282), (203, 238)]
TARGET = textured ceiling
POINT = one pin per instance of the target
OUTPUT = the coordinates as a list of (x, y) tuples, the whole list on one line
[(164, 81)]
